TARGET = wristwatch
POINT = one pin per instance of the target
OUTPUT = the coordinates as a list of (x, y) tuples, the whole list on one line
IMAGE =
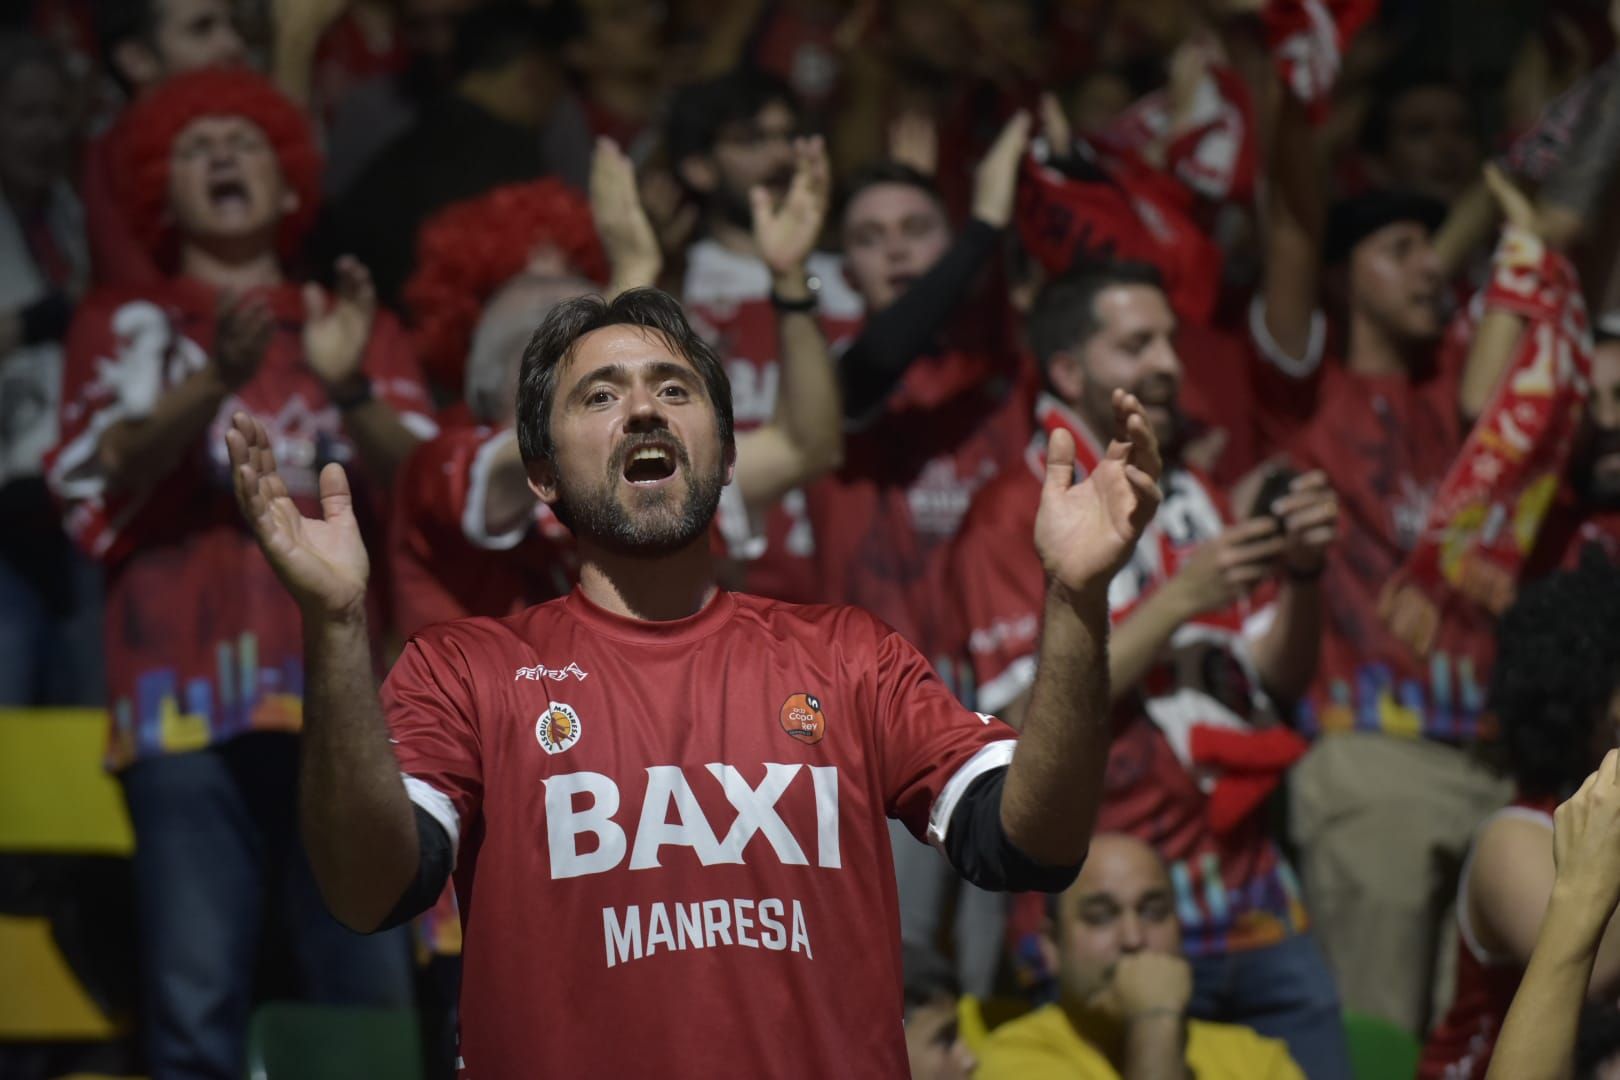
[(804, 306), (355, 392)]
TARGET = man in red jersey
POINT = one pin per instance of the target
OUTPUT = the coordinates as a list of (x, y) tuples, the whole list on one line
[(1216, 630), (546, 754)]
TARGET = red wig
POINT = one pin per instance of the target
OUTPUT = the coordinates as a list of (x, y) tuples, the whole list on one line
[(468, 250), (157, 119)]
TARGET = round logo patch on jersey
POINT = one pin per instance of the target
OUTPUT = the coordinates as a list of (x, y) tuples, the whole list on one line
[(802, 718), (558, 728)]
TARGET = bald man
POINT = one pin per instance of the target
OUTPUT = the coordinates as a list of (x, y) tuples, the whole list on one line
[(1116, 945)]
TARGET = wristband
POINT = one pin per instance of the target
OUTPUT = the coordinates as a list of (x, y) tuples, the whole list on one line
[(794, 307), (360, 393), (1306, 577)]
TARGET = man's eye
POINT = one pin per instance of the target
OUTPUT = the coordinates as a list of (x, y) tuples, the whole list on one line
[(599, 397), (674, 391)]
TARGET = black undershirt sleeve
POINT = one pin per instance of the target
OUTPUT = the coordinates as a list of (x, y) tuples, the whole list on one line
[(432, 871), (897, 335), (978, 847)]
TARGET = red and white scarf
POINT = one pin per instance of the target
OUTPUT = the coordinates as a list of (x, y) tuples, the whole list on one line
[(1494, 500), (1234, 763), (1308, 39)]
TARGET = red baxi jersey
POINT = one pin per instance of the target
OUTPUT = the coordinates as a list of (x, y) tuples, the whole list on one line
[(1386, 444), (1460, 1046), (672, 850), (202, 641)]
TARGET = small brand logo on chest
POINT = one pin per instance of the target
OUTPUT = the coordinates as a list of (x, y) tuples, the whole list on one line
[(558, 728), (803, 719)]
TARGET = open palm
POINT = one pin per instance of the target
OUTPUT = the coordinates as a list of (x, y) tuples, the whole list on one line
[(786, 233), (1085, 532), (322, 561)]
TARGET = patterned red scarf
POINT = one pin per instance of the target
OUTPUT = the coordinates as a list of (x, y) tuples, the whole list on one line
[(1492, 503), (1237, 768)]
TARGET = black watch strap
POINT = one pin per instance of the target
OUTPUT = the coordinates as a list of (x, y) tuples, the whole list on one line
[(352, 395), (797, 307)]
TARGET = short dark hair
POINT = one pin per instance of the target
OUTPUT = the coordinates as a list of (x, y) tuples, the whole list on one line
[(700, 111), (885, 172), (1064, 315), (1557, 666), (118, 21), (1387, 94), (555, 340), (490, 37)]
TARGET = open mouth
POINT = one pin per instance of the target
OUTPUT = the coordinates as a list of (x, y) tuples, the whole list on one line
[(901, 282), (228, 192), (650, 465)]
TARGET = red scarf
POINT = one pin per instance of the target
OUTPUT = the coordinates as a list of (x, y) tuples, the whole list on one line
[(1307, 39), (1237, 768), (1492, 503), (1213, 154)]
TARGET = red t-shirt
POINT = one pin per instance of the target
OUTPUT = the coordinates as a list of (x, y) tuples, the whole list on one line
[(885, 521), (1461, 1044), (445, 564), (202, 641), (1233, 890), (727, 296), (1385, 444), (673, 856)]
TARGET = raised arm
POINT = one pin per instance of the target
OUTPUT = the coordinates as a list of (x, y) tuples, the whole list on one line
[(628, 240), (1292, 225), (136, 455), (1538, 1037), (894, 337), (357, 821), (1084, 532), (805, 436), (337, 327)]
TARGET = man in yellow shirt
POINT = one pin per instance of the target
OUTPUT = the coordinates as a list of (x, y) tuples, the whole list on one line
[(1116, 946)]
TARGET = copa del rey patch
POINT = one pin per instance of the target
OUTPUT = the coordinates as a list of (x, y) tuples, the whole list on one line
[(558, 728)]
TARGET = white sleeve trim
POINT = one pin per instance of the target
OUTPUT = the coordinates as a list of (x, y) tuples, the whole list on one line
[(438, 806), (473, 515), (994, 755), (1295, 367), (1004, 689), (423, 427)]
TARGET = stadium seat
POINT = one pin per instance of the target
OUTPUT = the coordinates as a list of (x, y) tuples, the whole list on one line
[(294, 1041), (1380, 1050)]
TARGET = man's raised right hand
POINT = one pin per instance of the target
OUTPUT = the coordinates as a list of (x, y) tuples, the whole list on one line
[(322, 561)]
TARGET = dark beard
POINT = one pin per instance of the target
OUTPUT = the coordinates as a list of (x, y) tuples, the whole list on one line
[(595, 513)]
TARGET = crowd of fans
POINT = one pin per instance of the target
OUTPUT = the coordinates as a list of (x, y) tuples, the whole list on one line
[(1357, 261)]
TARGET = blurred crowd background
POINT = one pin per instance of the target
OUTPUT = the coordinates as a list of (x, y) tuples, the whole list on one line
[(1357, 258)]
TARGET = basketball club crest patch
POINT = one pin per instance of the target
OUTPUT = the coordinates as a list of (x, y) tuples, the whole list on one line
[(558, 728)]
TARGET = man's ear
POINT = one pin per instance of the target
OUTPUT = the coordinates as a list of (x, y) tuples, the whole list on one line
[(289, 201), (697, 171), (1047, 948), (1066, 374), (137, 63), (543, 480), (729, 456)]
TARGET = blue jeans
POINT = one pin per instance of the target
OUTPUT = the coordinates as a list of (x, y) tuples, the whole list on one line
[(50, 632), (1284, 991), (216, 854)]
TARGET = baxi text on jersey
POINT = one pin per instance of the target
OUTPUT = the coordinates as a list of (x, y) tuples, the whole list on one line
[(586, 805), (771, 924)]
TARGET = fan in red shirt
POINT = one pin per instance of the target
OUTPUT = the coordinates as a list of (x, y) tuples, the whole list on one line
[(726, 137), (1215, 631), (204, 658), (473, 538), (1557, 696), (665, 802), (937, 394)]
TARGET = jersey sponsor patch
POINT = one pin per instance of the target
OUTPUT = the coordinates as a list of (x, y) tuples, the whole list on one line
[(803, 719), (558, 728)]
